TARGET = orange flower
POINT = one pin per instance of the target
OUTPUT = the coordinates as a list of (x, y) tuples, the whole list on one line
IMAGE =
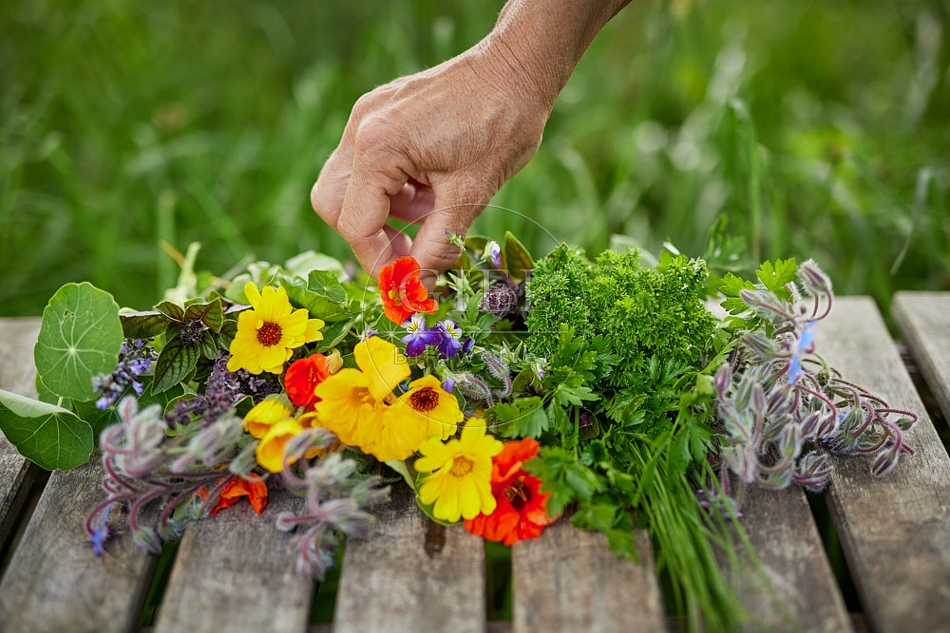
[(402, 292), (521, 508), (254, 489), (303, 376)]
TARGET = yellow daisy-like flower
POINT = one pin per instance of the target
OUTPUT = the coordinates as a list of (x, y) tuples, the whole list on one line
[(355, 403), (426, 399), (264, 415), (269, 332), (460, 481), (270, 450)]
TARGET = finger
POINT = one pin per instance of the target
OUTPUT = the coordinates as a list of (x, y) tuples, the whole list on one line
[(455, 212), (413, 202), (366, 207), (326, 196)]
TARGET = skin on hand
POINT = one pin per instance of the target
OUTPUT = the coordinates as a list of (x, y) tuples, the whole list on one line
[(431, 148), (434, 147)]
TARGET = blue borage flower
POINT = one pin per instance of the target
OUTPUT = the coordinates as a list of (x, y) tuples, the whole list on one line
[(805, 344)]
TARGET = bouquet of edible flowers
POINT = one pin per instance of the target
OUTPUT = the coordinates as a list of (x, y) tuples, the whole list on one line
[(612, 391)]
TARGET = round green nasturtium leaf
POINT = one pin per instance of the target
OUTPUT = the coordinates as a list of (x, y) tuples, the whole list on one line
[(50, 436), (79, 338)]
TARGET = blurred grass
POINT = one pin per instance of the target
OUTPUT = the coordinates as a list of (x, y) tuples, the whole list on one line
[(820, 129)]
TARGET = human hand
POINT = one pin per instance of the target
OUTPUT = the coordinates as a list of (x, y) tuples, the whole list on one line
[(431, 148)]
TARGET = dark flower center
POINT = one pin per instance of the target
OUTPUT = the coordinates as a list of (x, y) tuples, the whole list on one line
[(269, 334), (425, 400), (518, 494)]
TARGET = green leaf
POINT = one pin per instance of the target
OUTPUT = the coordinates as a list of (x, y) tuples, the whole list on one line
[(301, 265), (143, 324), (319, 306), (172, 310), (334, 333), (174, 363), (50, 436), (524, 418), (326, 284), (776, 275), (210, 314), (80, 338), (515, 257)]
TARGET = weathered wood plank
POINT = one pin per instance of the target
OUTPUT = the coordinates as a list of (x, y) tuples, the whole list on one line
[(17, 374), (569, 580), (924, 320), (895, 530), (235, 572), (55, 583), (791, 586), (411, 575)]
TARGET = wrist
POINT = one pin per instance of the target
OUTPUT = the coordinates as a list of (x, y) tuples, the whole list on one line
[(539, 42)]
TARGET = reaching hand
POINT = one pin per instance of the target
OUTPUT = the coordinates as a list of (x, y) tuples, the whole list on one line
[(431, 148), (434, 147)]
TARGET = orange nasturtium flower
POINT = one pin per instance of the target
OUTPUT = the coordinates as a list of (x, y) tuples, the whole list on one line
[(460, 481), (303, 376), (254, 489), (402, 292), (268, 333), (521, 512)]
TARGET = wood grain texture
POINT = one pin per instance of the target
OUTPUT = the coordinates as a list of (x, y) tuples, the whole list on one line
[(924, 320), (235, 572), (17, 374), (895, 530), (569, 580), (791, 587), (411, 575), (55, 584)]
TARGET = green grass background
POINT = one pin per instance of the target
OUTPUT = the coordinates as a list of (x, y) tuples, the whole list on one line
[(821, 129)]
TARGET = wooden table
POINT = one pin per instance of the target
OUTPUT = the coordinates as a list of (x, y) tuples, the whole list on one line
[(235, 573)]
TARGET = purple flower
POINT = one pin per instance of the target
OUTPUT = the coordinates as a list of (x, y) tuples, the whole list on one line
[(449, 384), (419, 335), (494, 253), (135, 358), (451, 341)]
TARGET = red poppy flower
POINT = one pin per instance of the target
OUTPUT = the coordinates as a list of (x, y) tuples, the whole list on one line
[(254, 489), (402, 291), (521, 508), (303, 376)]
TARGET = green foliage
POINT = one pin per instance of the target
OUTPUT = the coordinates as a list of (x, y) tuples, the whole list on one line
[(557, 295), (52, 437), (124, 125), (79, 338), (525, 417)]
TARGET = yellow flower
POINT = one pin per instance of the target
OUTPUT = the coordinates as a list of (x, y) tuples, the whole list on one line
[(426, 399), (268, 333), (382, 364), (264, 415), (270, 450), (355, 403), (460, 483)]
